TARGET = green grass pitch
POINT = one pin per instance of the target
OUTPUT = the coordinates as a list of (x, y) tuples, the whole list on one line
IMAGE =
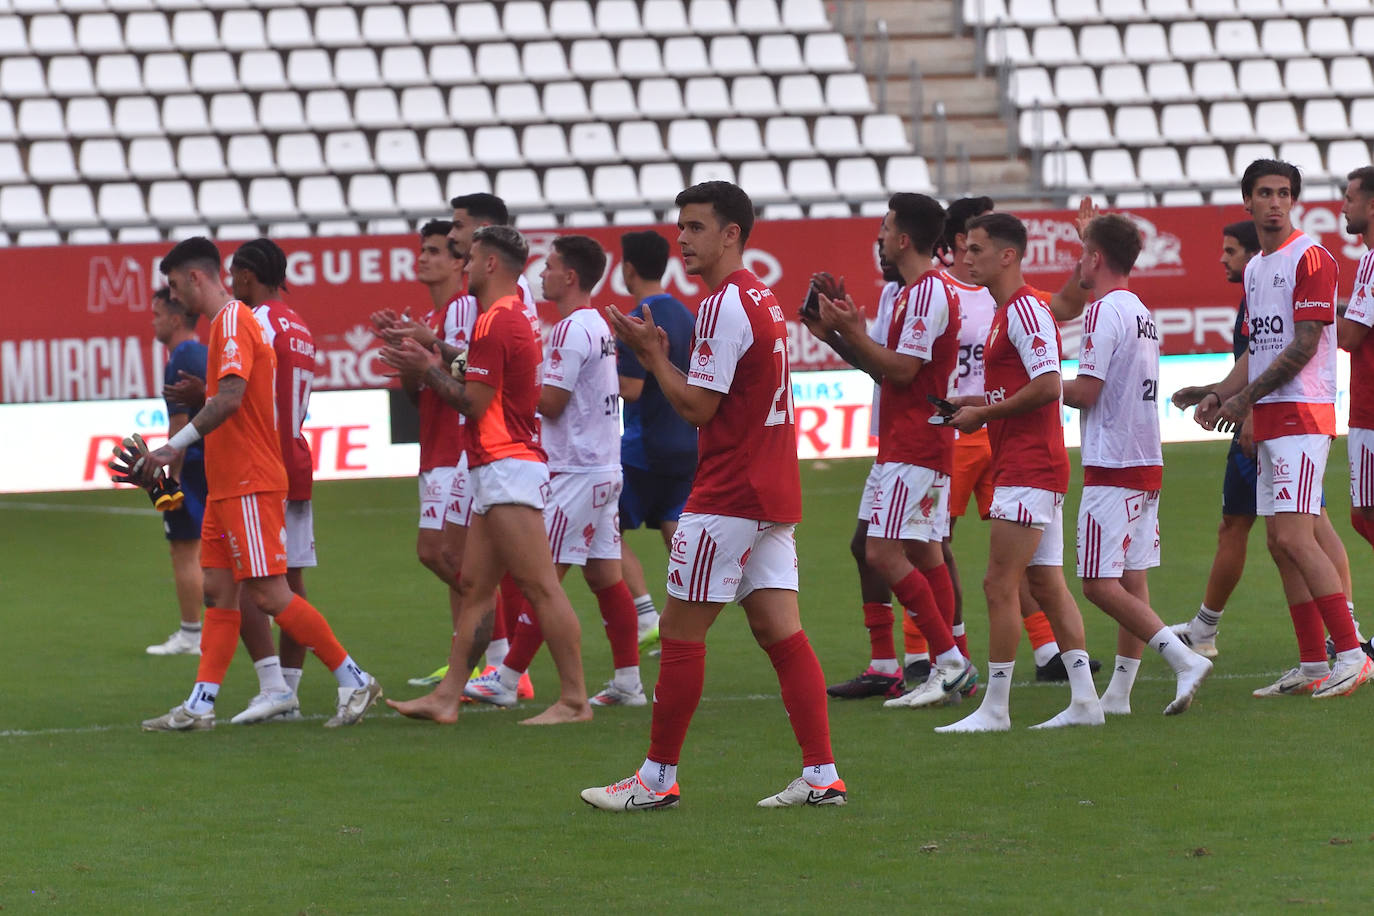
[(1240, 806)]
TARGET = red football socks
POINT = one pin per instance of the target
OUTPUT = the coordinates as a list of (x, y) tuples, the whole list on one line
[(621, 620), (681, 674), (308, 627), (1307, 624), (219, 639), (526, 636), (1335, 613), (916, 596), (803, 695), (878, 619), (942, 587)]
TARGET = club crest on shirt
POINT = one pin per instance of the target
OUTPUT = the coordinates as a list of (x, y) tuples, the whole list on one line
[(703, 363), (229, 357), (555, 359)]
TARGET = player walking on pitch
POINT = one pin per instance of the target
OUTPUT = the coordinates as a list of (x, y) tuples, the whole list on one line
[(1352, 330), (579, 408), (735, 542), (244, 533), (1123, 463), (497, 389), (1030, 476), (1288, 379)]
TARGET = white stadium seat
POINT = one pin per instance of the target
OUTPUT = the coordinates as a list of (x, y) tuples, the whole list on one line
[(566, 101), (615, 185), (593, 58), (660, 98), (638, 57), (447, 148), (300, 154), (429, 24), (101, 160), (687, 56), (1207, 165), (232, 113), (711, 17), (616, 18), (450, 64), (707, 96), (250, 154), (613, 100), (733, 55), (764, 180), (498, 62), (70, 75), (404, 66), (120, 204), (739, 138), (261, 70), (1123, 84), (423, 106), (221, 200), (354, 67), (826, 52), (1259, 79), (593, 143), (1031, 12), (96, 33), (858, 178), (289, 28), (1087, 127), (665, 17), (524, 20), (1076, 85), (838, 135), (712, 171), (243, 30), (478, 22), (804, 16), (1182, 123), (907, 173), (272, 198), (471, 105), (21, 206), (519, 188), (1100, 44), (1049, 45), (371, 195), (1216, 79), (1040, 128), (1328, 37), (1136, 125), (398, 150), (51, 161), (381, 25), (754, 95), (640, 141), (780, 54), (1306, 77), (690, 139), (1231, 121), (1283, 38), (171, 202), (572, 18), (320, 196), (1325, 119), (1145, 41), (195, 30), (1112, 168), (1159, 165), (418, 193), (542, 61), (518, 103), (1277, 120), (545, 144), (201, 157), (52, 34), (567, 187), (1237, 38), (496, 146)]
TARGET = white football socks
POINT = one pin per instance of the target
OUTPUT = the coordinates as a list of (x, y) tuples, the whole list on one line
[(626, 679), (292, 676), (1116, 699), (884, 665), (510, 678), (202, 698), (270, 675), (496, 651), (1044, 654), (658, 776), (349, 674), (818, 777)]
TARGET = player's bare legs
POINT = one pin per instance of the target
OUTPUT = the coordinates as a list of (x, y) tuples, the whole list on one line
[(187, 576), (883, 675), (1233, 537), (1127, 601), (1332, 545), (633, 571), (1010, 550)]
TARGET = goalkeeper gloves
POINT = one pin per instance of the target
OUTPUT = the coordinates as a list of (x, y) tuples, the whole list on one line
[(126, 466)]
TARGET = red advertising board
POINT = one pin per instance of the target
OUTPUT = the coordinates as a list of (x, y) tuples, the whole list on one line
[(76, 323)]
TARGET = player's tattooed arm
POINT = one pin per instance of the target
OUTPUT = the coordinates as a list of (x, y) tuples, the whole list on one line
[(1286, 366), (216, 410)]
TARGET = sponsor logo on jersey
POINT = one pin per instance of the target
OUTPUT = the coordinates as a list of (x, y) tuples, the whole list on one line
[(555, 359), (995, 395), (704, 363), (1311, 304), (1038, 346)]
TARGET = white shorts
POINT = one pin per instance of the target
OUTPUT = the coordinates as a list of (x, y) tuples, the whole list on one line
[(509, 482), (300, 534), (435, 486), (1290, 474), (582, 516), (1118, 529), (1360, 447), (1034, 508), (719, 558), (459, 507), (905, 502)]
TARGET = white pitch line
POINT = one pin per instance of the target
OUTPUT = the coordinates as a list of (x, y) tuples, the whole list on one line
[(65, 507), (484, 708)]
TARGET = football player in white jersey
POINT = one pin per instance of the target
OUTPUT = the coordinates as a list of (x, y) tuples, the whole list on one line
[(579, 407), (1123, 463), (1288, 379)]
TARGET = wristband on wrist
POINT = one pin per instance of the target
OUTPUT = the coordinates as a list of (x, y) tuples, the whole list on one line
[(185, 437)]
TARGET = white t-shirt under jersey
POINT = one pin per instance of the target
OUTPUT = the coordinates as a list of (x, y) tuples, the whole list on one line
[(580, 359)]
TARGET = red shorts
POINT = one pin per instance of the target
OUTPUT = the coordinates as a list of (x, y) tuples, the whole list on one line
[(246, 534), (972, 474)]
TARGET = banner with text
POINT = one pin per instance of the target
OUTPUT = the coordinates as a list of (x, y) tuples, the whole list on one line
[(78, 325), (351, 434)]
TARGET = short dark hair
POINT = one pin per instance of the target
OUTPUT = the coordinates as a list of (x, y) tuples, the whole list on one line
[(483, 206), (1005, 228), (1365, 176), (585, 256), (163, 294), (1117, 237), (197, 251), (958, 215), (436, 227), (506, 242), (727, 199), (918, 217), (1244, 232), (1261, 168), (264, 259), (646, 252)]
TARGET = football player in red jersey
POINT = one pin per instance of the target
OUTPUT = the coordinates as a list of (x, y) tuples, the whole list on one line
[(906, 497), (735, 541), (1352, 330), (498, 392), (1030, 475)]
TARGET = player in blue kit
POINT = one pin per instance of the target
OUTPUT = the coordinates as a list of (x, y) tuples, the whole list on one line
[(174, 328), (658, 449)]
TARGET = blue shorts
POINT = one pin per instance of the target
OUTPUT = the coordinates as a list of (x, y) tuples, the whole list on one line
[(1238, 487), (184, 524), (651, 499)]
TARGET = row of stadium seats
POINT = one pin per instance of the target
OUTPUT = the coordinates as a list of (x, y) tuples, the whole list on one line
[(1052, 12), (327, 196), (1207, 165), (407, 65), (162, 74), (640, 216), (338, 27), (1142, 42), (1125, 84), (324, 109), (402, 149), (1224, 122)]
